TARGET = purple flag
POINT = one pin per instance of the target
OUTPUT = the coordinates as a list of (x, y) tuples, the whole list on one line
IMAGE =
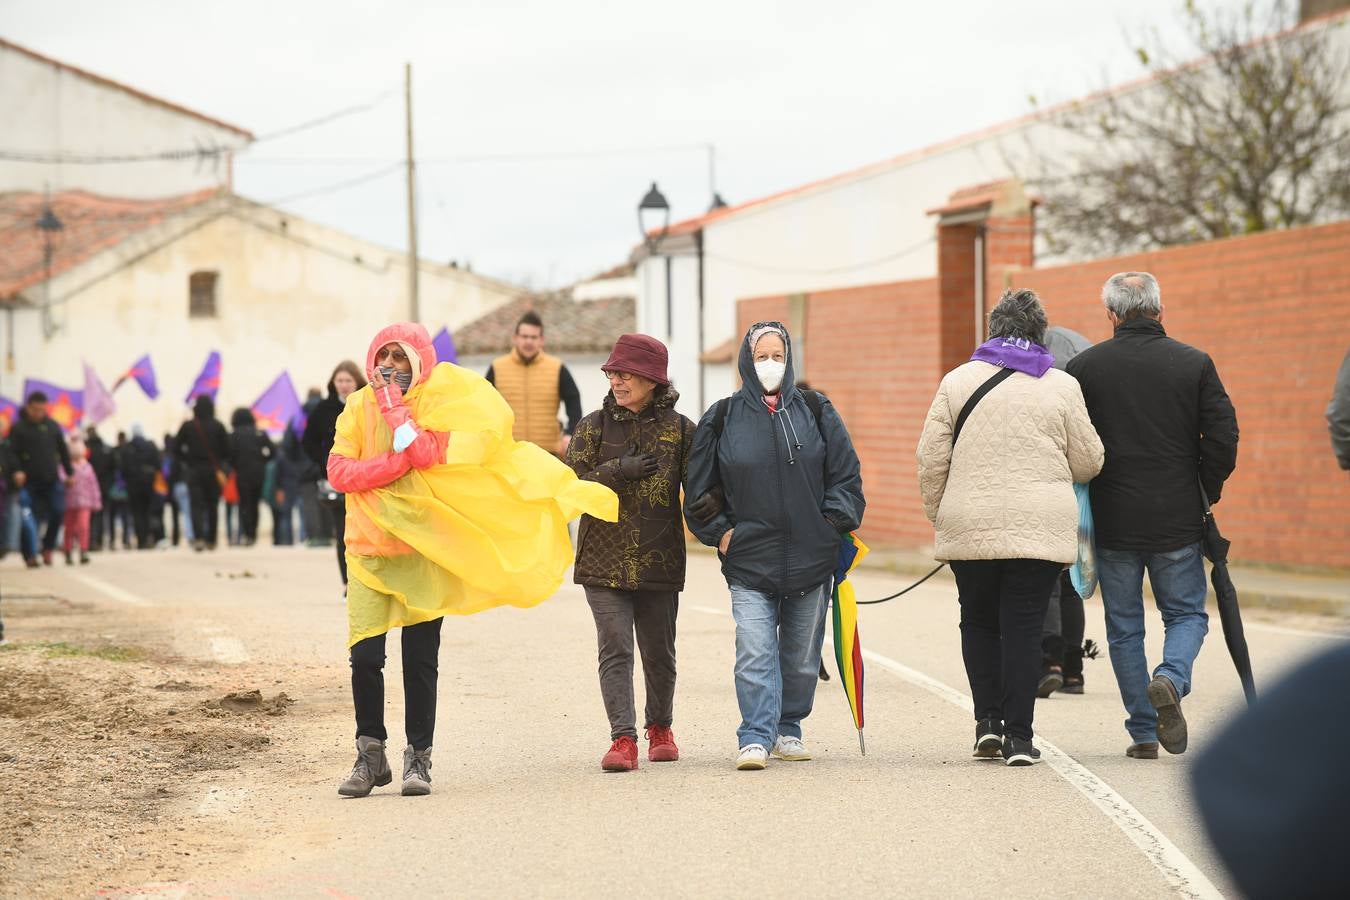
[(64, 405), (277, 406), (98, 403), (444, 345), (208, 382), (144, 372), (9, 411)]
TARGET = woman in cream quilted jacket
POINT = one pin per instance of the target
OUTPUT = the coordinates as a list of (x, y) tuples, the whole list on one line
[(1002, 504)]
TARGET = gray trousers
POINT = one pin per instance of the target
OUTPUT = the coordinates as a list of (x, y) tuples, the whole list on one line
[(618, 615)]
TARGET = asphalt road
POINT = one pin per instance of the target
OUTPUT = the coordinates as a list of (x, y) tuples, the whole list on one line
[(521, 808)]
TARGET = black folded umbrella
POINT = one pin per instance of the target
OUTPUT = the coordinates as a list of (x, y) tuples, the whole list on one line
[(1215, 547)]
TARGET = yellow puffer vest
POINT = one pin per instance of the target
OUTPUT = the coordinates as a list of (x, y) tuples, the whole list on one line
[(532, 392)]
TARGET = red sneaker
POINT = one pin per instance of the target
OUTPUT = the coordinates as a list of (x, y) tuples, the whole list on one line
[(661, 744), (622, 756)]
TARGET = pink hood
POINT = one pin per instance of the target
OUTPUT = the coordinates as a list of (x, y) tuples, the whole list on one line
[(416, 343)]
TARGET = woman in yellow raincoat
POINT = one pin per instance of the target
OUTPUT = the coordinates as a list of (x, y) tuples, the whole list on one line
[(446, 515)]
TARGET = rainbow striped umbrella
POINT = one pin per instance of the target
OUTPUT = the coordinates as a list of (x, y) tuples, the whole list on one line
[(847, 645)]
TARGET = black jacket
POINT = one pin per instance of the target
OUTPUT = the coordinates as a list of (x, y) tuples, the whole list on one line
[(250, 449), (320, 429), (39, 449), (139, 461), (1164, 418), (790, 489), (203, 441)]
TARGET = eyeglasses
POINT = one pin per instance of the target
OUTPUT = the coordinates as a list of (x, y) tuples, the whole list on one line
[(622, 376)]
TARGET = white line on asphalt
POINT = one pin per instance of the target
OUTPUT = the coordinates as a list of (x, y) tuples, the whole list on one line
[(228, 650), (1184, 876), (111, 590)]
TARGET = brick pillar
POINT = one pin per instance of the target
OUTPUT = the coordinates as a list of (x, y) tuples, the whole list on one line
[(983, 233)]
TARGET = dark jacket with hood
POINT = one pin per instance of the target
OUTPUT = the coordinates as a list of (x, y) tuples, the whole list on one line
[(1167, 425), (197, 453), (643, 550), (39, 449), (320, 428), (791, 488), (139, 460), (250, 449)]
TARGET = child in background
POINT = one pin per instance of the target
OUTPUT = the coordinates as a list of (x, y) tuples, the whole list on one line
[(83, 499)]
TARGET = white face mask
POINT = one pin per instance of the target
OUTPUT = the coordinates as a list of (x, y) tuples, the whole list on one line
[(770, 372)]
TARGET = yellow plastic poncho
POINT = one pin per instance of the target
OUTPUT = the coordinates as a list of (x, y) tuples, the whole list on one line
[(488, 528)]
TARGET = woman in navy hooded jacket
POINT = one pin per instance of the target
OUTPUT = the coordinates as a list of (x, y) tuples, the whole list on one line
[(773, 488)]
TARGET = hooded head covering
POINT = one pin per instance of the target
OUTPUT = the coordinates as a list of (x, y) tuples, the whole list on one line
[(416, 343), (137, 430), (204, 407), (750, 382)]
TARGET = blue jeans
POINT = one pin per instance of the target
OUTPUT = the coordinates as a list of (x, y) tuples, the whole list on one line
[(777, 661), (1179, 588)]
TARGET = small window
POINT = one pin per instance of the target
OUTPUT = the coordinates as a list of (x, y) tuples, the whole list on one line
[(202, 295)]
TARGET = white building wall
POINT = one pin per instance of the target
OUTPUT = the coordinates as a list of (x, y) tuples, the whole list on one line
[(299, 299), (863, 228), (48, 109)]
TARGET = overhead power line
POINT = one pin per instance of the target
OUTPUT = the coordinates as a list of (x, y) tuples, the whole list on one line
[(337, 185), (200, 152), (462, 159)]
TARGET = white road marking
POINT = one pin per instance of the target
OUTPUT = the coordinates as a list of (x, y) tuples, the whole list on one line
[(220, 802), (1184, 876), (111, 590), (228, 650)]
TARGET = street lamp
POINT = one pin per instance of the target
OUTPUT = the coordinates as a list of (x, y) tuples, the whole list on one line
[(653, 210), (48, 224)]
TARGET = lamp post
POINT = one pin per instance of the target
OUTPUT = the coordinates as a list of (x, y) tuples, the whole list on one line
[(651, 210), (48, 224), (654, 222)]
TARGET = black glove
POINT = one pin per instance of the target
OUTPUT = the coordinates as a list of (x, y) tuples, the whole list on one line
[(706, 508), (637, 466)]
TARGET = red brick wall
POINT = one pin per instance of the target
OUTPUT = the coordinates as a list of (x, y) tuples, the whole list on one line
[(1269, 309), (874, 352)]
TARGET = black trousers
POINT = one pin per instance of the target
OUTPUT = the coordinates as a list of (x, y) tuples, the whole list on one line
[(138, 499), (204, 502), (1003, 604), (340, 532), (421, 655), (1062, 636), (49, 506), (250, 495)]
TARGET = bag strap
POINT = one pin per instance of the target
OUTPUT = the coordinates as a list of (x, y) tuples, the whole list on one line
[(201, 433), (814, 402), (993, 381)]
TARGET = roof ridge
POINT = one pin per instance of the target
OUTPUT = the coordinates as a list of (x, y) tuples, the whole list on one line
[(135, 92)]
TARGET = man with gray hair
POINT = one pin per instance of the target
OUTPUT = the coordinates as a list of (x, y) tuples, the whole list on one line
[(1170, 431)]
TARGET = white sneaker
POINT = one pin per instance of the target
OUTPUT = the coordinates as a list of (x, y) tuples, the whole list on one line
[(752, 756), (790, 748)]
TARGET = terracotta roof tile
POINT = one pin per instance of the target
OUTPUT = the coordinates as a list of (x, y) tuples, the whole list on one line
[(91, 223), (569, 326)]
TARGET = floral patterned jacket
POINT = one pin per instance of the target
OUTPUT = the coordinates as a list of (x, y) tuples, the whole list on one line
[(644, 550)]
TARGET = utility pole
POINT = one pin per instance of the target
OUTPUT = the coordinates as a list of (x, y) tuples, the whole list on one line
[(414, 306)]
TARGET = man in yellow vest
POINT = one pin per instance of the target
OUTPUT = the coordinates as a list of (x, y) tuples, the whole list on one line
[(533, 384)]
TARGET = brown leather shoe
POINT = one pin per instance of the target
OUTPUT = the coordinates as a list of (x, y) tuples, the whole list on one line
[(1171, 723), (1142, 750)]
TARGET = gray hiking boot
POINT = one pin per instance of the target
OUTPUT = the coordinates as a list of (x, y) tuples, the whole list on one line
[(416, 772), (371, 769)]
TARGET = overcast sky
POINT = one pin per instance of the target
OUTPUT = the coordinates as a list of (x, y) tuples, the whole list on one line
[(787, 92)]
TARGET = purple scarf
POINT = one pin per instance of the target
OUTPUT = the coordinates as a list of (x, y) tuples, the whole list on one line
[(1015, 353)]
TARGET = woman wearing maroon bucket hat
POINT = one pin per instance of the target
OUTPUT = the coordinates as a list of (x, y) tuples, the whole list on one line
[(633, 569)]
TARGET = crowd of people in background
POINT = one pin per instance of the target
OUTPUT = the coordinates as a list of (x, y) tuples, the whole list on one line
[(80, 494)]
